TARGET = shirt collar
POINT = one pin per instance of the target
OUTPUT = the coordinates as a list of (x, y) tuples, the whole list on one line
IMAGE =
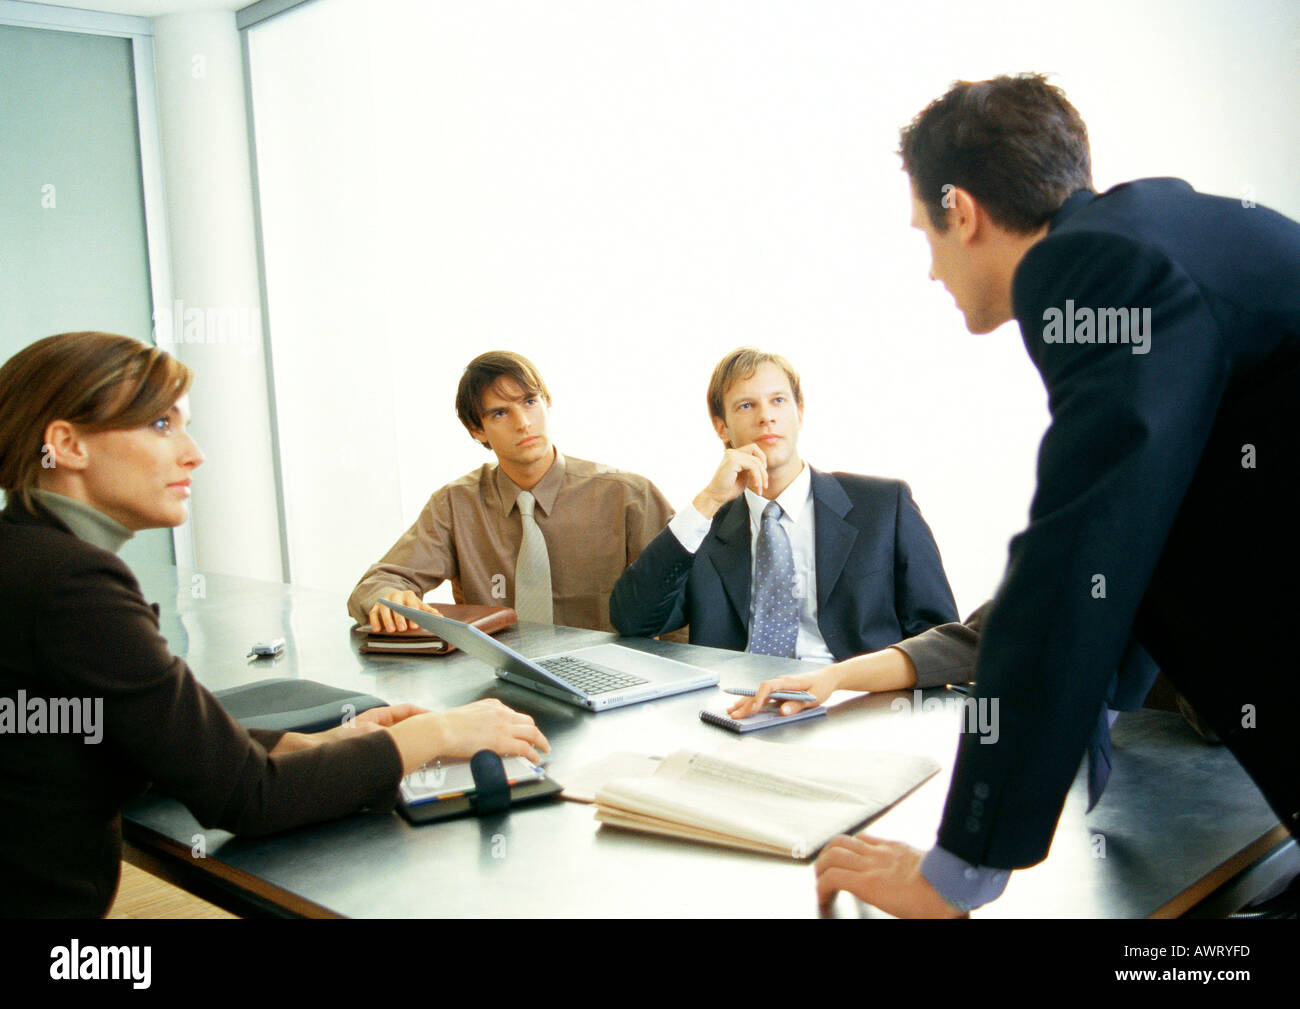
[(547, 489), (792, 500), (87, 523)]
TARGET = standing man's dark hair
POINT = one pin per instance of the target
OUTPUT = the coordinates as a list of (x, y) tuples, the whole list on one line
[(1014, 143)]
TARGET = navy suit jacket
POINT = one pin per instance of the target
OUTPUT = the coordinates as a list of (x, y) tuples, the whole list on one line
[(879, 576), (1167, 507)]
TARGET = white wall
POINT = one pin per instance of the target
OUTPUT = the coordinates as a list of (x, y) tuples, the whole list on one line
[(624, 191)]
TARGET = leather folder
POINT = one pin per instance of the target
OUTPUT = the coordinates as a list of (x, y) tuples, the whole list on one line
[(418, 641)]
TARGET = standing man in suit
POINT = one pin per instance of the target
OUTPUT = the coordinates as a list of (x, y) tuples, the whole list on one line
[(518, 532), (1166, 327), (773, 556)]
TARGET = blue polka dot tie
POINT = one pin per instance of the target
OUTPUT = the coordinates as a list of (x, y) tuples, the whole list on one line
[(774, 628)]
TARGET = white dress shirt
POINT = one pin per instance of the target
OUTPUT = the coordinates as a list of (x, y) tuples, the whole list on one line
[(690, 528)]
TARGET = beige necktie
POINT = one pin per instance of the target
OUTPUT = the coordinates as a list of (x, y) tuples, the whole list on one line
[(532, 568)]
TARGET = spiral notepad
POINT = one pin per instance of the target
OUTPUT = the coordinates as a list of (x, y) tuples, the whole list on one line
[(760, 720)]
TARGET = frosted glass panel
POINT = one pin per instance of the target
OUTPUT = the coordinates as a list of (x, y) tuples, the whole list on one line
[(72, 228)]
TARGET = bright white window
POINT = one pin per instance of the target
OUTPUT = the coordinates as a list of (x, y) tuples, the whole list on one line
[(624, 191)]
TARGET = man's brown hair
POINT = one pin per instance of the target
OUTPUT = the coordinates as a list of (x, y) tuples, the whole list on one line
[(1014, 143), (741, 364), (95, 381), (482, 373)]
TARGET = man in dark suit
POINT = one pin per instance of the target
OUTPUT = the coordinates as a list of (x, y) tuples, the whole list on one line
[(776, 557), (1166, 327)]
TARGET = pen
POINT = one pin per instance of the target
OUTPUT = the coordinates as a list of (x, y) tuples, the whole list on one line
[(775, 695)]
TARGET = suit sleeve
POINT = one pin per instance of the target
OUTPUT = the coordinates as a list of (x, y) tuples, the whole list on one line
[(420, 560), (101, 640), (1133, 680), (1126, 433), (649, 598), (946, 653), (922, 595)]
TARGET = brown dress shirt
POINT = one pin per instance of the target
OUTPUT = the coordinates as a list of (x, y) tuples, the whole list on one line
[(595, 519)]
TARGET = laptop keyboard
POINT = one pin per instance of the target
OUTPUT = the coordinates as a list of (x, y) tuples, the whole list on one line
[(588, 678)]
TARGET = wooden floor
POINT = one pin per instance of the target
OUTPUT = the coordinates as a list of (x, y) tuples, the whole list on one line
[(141, 895)]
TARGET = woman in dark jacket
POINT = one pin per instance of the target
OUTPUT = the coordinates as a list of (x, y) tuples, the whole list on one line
[(94, 447)]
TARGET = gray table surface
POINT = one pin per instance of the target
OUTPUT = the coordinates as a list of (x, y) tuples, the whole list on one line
[(1176, 814)]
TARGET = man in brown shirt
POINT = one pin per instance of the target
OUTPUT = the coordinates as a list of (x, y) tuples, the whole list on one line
[(577, 528)]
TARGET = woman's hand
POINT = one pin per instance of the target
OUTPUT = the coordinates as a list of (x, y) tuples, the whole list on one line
[(462, 732), (372, 720)]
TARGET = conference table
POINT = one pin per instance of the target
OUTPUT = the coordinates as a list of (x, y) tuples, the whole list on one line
[(1180, 826)]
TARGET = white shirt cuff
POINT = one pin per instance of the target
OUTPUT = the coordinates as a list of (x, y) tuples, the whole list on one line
[(690, 528)]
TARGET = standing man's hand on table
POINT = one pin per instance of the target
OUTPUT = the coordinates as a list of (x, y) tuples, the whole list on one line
[(884, 874), (384, 620)]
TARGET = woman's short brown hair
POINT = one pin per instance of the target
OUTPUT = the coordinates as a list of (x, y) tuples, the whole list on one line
[(97, 381), (482, 373), (739, 365)]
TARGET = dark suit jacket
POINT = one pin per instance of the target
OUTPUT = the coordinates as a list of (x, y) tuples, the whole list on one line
[(1166, 506), (879, 576), (946, 654), (77, 626)]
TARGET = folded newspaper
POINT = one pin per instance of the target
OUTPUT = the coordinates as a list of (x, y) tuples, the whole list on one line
[(767, 797)]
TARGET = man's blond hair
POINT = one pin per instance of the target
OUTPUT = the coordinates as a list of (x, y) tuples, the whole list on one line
[(741, 364)]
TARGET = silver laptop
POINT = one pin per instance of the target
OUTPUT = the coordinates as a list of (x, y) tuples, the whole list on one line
[(596, 677)]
